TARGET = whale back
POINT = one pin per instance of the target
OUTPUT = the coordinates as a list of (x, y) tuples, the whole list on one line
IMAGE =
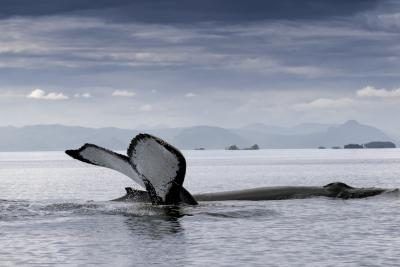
[(342, 190), (337, 186)]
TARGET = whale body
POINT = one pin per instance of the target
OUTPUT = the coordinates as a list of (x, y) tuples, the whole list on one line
[(160, 169), (332, 190)]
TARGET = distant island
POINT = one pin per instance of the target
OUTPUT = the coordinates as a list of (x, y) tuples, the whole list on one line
[(380, 145), (235, 147), (353, 146), (375, 144), (232, 147), (253, 147)]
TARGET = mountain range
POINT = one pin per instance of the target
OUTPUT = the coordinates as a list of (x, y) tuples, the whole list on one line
[(309, 135)]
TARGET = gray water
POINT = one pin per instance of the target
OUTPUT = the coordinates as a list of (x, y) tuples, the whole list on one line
[(55, 211)]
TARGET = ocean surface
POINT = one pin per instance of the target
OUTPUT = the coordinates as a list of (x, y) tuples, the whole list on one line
[(56, 211)]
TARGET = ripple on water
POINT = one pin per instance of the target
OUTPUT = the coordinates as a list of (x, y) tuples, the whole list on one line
[(21, 210), (52, 228), (235, 210)]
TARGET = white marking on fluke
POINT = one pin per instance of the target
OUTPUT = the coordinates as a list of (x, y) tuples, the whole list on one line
[(106, 158)]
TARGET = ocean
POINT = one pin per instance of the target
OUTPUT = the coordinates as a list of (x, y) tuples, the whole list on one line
[(55, 211)]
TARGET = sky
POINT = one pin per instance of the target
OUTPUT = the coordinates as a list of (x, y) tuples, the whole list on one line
[(142, 64)]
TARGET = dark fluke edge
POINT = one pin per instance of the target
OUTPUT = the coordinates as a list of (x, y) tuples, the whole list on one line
[(160, 168)]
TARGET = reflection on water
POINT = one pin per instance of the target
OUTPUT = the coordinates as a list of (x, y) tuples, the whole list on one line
[(163, 221)]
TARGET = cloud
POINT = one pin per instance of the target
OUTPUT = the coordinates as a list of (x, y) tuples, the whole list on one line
[(263, 48), (309, 64), (265, 65), (370, 91), (123, 93), (146, 108), (46, 42), (324, 103), (40, 94), (190, 95), (83, 95), (388, 22), (10, 94)]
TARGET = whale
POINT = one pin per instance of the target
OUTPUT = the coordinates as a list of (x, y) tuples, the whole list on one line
[(331, 190), (159, 168)]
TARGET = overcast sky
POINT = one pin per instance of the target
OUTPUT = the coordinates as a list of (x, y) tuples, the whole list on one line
[(138, 64)]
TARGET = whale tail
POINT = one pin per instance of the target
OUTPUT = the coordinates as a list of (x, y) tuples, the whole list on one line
[(152, 163), (161, 166)]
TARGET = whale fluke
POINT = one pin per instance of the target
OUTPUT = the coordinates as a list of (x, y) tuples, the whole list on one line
[(161, 166), (152, 163), (100, 156)]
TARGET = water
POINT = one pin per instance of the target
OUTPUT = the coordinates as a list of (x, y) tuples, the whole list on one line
[(55, 211)]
